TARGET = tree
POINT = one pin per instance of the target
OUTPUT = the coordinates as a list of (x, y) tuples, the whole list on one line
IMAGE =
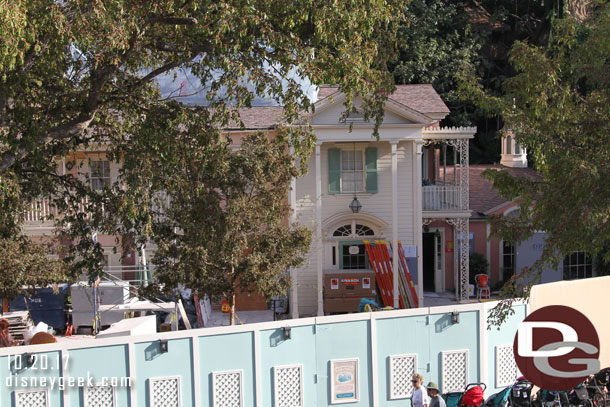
[(25, 264), (80, 73), (559, 107), (217, 216), (435, 39)]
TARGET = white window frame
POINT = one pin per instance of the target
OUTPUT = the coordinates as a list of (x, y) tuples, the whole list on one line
[(100, 178), (361, 151)]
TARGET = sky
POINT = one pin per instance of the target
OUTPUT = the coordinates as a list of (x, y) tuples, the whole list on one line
[(185, 87)]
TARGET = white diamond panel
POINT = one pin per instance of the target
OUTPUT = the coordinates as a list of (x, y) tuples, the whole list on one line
[(506, 368), (288, 386), (32, 398), (455, 370), (402, 368), (227, 389), (99, 396), (164, 391)]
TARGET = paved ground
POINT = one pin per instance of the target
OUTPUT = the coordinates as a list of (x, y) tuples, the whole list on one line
[(431, 299)]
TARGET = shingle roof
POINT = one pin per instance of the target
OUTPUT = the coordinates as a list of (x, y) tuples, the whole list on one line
[(260, 117), (421, 98), (483, 196)]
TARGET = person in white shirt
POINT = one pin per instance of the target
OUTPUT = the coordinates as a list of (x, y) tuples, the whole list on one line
[(420, 396)]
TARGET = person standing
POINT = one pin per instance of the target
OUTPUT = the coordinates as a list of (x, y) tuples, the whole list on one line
[(435, 399), (419, 397)]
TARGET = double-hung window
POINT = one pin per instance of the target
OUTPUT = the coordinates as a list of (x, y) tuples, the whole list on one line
[(352, 170), (100, 174)]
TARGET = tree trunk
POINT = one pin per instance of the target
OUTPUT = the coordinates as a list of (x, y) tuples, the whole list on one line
[(232, 314), (232, 297)]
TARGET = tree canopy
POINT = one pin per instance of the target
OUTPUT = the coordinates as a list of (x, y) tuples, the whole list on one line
[(558, 105), (82, 75)]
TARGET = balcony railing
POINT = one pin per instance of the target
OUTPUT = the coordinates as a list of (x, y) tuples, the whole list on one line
[(40, 210), (441, 198)]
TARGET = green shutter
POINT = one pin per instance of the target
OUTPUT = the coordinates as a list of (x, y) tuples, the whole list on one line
[(334, 171), (371, 169)]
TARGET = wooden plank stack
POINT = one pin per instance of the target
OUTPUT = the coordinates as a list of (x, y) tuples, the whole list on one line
[(380, 257), (19, 322)]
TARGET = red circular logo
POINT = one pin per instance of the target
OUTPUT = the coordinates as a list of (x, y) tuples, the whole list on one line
[(556, 348)]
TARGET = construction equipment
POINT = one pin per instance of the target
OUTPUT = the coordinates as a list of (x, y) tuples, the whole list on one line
[(380, 257)]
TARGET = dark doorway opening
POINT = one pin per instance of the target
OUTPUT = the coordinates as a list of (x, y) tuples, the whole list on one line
[(428, 260)]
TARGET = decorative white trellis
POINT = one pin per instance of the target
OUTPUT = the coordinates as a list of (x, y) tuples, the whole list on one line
[(99, 396), (402, 369), (227, 389), (288, 386), (454, 370), (32, 398), (164, 391), (506, 367)]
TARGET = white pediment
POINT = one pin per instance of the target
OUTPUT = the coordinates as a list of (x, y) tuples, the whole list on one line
[(329, 111)]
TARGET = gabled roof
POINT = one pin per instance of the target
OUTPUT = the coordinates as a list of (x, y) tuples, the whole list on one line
[(421, 98), (483, 196)]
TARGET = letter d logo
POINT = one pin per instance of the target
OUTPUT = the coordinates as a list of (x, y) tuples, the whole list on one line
[(525, 335), (555, 347)]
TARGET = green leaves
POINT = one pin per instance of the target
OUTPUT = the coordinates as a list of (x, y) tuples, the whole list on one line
[(558, 105)]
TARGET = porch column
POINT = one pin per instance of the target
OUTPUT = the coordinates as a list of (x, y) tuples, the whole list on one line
[(294, 291), (319, 245), (418, 225), (395, 256)]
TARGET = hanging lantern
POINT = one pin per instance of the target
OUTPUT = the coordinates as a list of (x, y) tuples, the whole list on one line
[(355, 205)]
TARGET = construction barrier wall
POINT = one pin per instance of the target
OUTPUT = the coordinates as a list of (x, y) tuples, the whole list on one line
[(371, 356)]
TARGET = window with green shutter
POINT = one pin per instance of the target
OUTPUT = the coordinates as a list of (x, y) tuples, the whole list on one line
[(352, 170)]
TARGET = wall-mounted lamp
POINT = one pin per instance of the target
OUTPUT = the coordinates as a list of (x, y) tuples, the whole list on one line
[(437, 234), (69, 165), (426, 228), (455, 317), (163, 345), (30, 359), (287, 332)]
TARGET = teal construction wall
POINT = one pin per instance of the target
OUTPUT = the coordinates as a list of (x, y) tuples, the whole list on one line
[(255, 351)]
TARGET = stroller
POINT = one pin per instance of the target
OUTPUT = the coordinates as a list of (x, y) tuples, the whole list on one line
[(579, 397), (549, 398), (598, 385), (521, 393), (499, 399), (472, 396)]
